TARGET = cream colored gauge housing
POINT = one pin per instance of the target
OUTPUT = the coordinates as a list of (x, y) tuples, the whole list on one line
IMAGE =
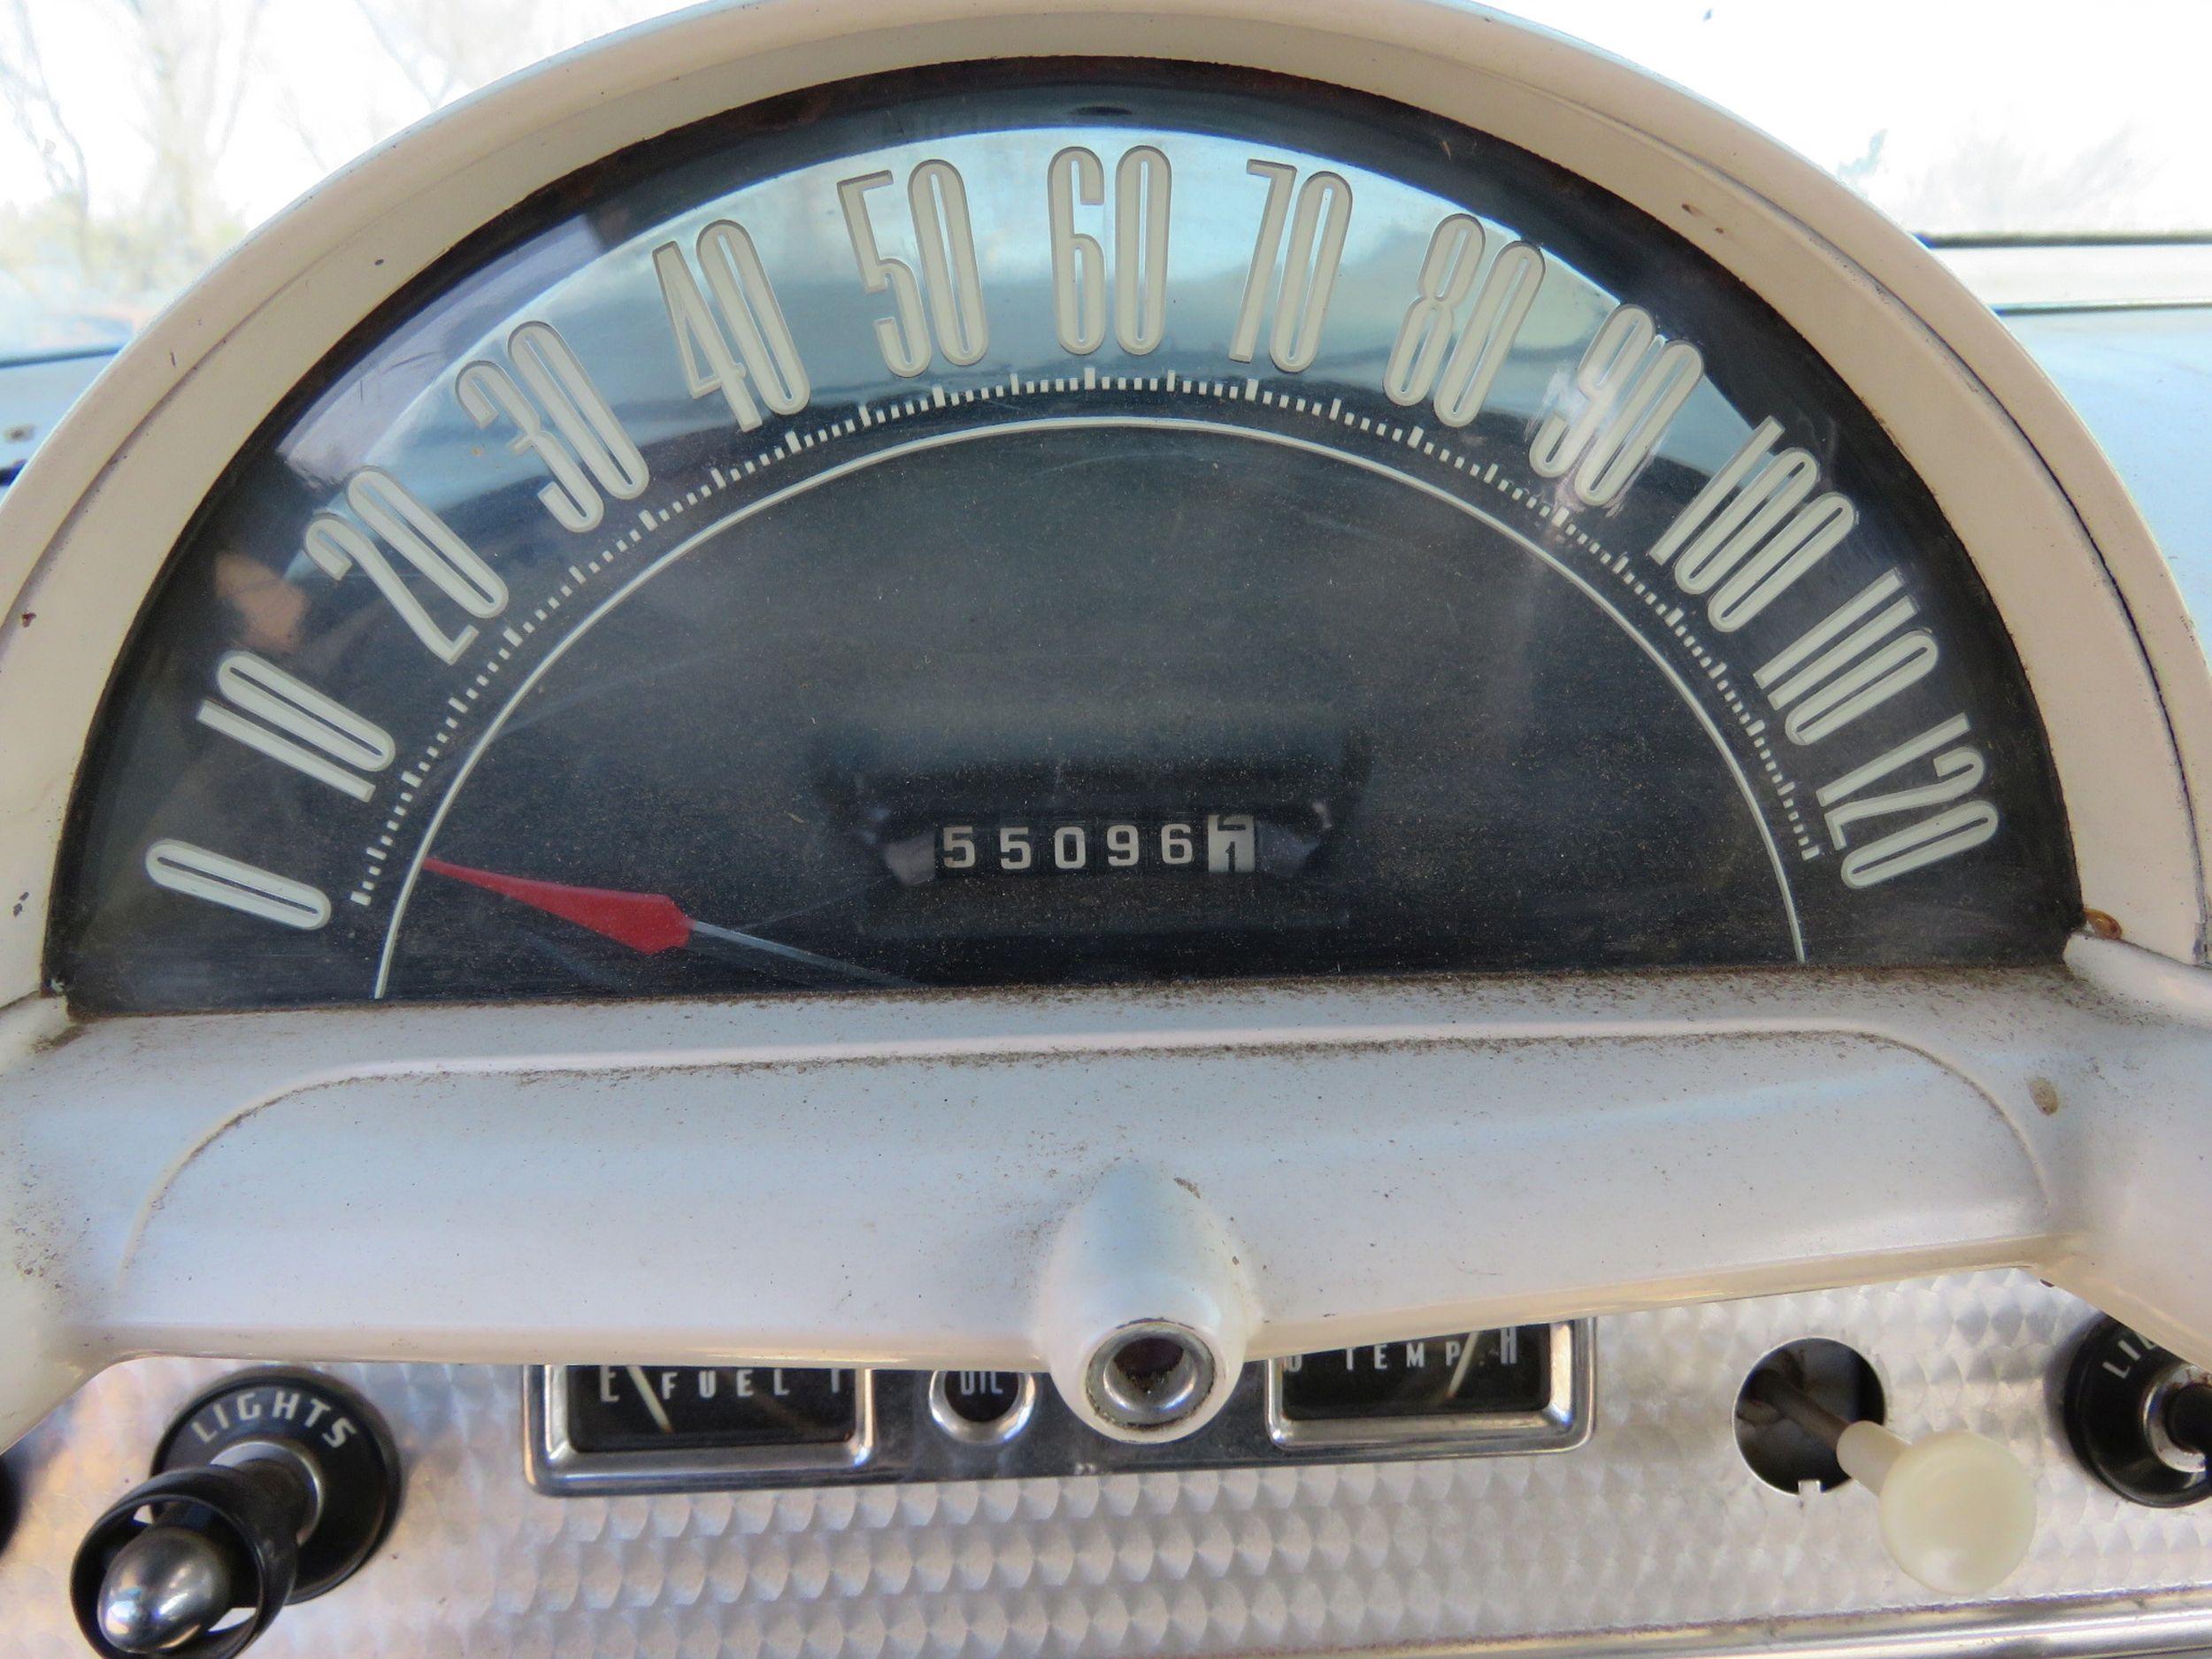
[(981, 1176)]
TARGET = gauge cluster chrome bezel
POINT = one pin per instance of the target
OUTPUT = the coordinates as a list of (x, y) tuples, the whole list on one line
[(909, 1432)]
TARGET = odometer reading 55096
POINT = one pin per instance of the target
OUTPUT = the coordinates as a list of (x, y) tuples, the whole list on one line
[(1060, 521), (1218, 843)]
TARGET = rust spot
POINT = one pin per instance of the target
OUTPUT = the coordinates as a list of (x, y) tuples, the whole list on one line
[(29, 617), (2045, 1094), (53, 1043), (2100, 926)]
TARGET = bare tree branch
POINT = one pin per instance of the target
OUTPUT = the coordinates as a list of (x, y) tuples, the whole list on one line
[(38, 115)]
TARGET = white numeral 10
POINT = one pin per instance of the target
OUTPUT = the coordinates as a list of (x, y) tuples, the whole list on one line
[(1309, 264), (1418, 360), (938, 201), (1139, 264), (766, 359), (586, 449), (287, 719), (1632, 383)]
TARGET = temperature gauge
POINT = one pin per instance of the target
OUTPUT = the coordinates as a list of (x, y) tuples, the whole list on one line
[(1443, 1392)]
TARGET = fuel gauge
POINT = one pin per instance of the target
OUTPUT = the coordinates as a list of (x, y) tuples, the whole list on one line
[(596, 1429), (644, 1408)]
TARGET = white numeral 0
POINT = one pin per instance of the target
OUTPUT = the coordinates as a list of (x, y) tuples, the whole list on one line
[(765, 358), (200, 874), (587, 437), (937, 202), (1142, 185)]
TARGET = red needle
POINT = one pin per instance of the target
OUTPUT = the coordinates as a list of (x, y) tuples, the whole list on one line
[(649, 922), (646, 922)]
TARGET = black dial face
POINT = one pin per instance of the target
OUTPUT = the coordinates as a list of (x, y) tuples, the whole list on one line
[(1059, 522), (1472, 1374), (664, 1407)]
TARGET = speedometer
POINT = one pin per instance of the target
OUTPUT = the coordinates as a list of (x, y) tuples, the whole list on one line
[(1059, 520)]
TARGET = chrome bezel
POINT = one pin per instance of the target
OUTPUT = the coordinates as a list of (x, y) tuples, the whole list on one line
[(555, 1465), (999, 1430), (1562, 1422)]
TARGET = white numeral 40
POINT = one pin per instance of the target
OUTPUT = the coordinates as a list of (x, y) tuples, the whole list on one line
[(765, 359)]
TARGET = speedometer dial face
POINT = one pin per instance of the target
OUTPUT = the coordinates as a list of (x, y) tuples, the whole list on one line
[(1058, 522)]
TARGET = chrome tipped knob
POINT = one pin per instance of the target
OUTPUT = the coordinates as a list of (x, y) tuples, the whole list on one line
[(163, 1587)]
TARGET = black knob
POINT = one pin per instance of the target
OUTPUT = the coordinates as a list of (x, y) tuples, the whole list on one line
[(175, 1556), (271, 1488), (2139, 1418), (2189, 1418)]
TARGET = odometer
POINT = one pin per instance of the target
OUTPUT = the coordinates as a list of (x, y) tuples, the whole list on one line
[(1059, 521)]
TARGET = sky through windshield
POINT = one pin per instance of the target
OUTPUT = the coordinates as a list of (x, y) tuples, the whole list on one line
[(145, 136)]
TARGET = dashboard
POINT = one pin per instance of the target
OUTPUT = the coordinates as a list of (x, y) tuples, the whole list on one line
[(979, 829)]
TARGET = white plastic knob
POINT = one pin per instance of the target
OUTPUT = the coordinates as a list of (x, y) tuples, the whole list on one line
[(1957, 1509)]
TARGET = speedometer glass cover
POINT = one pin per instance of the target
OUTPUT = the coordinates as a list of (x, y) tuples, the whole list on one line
[(1059, 521)]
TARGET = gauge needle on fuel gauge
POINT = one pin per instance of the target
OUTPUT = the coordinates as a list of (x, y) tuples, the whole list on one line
[(646, 922)]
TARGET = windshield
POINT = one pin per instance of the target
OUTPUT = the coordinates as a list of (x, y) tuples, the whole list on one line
[(144, 137)]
